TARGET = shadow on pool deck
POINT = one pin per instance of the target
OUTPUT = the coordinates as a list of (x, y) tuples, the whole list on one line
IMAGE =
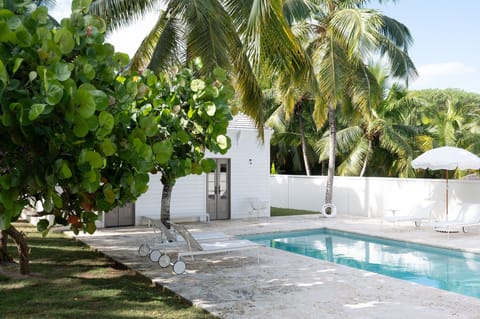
[(269, 283)]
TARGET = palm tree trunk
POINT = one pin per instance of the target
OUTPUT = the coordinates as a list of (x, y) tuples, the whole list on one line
[(304, 144), (331, 154), (367, 156), (165, 206)]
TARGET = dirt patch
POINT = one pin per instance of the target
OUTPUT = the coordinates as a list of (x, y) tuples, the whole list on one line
[(108, 273), (12, 271)]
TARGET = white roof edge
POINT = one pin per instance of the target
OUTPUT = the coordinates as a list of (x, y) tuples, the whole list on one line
[(242, 121)]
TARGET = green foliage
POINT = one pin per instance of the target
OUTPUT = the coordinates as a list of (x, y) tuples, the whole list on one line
[(81, 137), (192, 114), (450, 117), (64, 119)]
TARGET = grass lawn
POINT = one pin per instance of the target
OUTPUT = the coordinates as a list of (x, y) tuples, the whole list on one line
[(69, 280), (275, 211)]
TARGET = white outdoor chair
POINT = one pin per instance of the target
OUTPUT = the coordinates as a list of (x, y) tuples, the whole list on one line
[(166, 239), (418, 214), (468, 216), (202, 248)]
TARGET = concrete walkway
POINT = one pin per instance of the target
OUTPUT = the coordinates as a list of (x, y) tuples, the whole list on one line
[(285, 285)]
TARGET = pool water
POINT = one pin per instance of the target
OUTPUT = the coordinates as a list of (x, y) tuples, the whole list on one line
[(441, 268)]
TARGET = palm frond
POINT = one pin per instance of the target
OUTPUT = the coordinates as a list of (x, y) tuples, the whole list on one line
[(394, 45), (207, 30), (353, 163), (347, 138), (122, 13), (395, 143), (161, 48), (298, 10)]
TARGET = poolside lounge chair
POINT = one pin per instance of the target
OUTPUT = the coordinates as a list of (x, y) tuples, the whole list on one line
[(418, 214), (163, 235), (468, 216), (204, 247)]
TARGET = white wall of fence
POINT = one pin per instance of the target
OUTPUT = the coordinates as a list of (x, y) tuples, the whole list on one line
[(371, 196)]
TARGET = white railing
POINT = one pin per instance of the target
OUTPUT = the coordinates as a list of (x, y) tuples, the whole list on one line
[(371, 196)]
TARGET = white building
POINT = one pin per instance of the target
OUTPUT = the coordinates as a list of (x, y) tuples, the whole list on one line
[(239, 188)]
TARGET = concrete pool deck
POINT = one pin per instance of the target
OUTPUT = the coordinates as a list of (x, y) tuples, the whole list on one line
[(270, 283)]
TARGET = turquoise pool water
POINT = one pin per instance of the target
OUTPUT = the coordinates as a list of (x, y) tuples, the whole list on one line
[(431, 266)]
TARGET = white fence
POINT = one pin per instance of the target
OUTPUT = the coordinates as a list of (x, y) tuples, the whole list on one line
[(371, 196)]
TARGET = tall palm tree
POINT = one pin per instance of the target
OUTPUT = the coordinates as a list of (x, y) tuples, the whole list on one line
[(343, 36), (384, 125), (241, 36)]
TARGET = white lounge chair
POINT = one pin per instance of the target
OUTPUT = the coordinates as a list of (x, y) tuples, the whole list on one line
[(202, 248), (418, 214), (164, 236), (468, 216)]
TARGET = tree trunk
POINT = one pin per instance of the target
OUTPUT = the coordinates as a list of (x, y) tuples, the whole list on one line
[(365, 162), (165, 208), (22, 247), (304, 143), (4, 256), (331, 154)]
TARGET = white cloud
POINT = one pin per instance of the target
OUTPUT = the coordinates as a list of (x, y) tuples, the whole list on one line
[(447, 75), (445, 69)]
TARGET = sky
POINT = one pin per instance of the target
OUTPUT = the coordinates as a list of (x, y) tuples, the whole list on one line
[(446, 46), (446, 49)]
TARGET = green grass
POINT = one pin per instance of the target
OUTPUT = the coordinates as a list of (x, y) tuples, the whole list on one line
[(69, 280), (275, 211)]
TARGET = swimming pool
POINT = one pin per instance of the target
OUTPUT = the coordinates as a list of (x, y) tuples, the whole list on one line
[(441, 268)]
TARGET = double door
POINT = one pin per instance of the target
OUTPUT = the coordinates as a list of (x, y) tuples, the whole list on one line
[(218, 190), (120, 216)]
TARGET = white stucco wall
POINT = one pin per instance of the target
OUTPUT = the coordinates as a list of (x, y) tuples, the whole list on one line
[(371, 196)]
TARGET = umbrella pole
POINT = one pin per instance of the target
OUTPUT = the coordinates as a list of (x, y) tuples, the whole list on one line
[(446, 196)]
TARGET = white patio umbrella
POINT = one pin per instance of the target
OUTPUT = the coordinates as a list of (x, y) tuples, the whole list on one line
[(447, 158)]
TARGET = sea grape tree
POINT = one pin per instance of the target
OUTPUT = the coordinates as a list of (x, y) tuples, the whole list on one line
[(81, 132), (193, 115)]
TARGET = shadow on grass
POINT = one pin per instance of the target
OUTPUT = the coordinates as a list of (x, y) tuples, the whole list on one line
[(69, 280), (123, 297)]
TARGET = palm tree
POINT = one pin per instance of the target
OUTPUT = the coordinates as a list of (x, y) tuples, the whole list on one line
[(295, 135), (451, 119), (383, 126), (243, 37), (343, 35)]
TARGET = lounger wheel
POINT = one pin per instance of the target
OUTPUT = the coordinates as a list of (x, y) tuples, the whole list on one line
[(155, 255), (179, 267), (418, 223), (164, 261), (464, 229), (144, 250)]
